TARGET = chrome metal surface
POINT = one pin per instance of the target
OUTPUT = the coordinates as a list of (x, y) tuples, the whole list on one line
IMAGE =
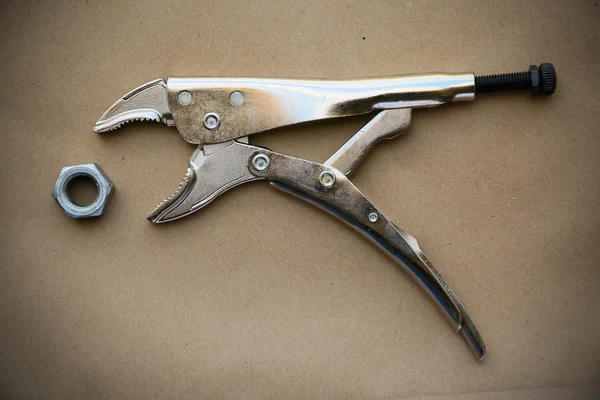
[(346, 202), (387, 124), (213, 170), (327, 179), (184, 98), (236, 98), (91, 171), (373, 217), (212, 121), (261, 162), (272, 103), (148, 102)]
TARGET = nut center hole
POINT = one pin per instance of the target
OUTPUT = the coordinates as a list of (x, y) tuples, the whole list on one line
[(82, 190)]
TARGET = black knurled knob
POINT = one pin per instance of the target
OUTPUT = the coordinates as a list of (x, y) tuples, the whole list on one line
[(540, 80)]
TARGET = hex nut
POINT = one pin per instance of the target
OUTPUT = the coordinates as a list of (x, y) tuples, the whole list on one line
[(95, 173)]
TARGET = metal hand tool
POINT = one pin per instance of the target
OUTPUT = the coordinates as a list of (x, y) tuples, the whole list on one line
[(219, 114)]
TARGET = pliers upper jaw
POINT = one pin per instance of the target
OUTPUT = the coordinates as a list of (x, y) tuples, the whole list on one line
[(148, 102)]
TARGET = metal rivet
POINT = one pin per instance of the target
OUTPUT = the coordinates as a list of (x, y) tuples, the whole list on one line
[(327, 179), (261, 162), (212, 121), (373, 217), (184, 98), (236, 98)]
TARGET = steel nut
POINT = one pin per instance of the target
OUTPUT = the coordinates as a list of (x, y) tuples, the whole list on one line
[(95, 173)]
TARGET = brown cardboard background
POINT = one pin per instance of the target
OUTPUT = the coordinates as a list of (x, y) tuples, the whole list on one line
[(260, 295)]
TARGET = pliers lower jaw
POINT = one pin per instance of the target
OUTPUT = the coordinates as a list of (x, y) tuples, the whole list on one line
[(219, 113), (213, 169)]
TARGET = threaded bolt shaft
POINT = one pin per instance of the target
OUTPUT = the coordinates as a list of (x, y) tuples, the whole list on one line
[(502, 82), (540, 80)]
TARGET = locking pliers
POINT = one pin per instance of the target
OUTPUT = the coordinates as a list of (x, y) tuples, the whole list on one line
[(218, 114)]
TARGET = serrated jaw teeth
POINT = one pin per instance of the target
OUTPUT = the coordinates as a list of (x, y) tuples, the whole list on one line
[(148, 102), (159, 210), (116, 122)]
